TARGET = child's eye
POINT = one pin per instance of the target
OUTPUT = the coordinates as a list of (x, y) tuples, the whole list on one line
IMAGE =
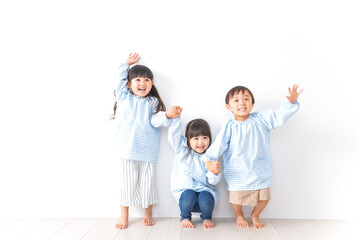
[(205, 138), (236, 100)]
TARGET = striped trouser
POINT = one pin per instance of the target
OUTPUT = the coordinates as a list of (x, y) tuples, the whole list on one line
[(137, 183)]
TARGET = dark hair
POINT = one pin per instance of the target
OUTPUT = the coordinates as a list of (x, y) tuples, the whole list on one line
[(145, 72), (236, 90), (197, 127)]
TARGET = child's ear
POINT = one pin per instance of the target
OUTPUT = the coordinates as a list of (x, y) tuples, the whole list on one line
[(228, 107), (129, 84)]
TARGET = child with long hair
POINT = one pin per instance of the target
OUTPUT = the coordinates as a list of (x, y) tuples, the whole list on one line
[(138, 114), (192, 184)]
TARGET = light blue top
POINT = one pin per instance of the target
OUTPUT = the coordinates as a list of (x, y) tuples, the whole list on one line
[(137, 134), (188, 171), (245, 146)]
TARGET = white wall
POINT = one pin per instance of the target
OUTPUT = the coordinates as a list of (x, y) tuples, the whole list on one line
[(57, 66)]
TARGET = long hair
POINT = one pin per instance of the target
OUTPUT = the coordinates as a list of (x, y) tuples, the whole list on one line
[(197, 127), (145, 72)]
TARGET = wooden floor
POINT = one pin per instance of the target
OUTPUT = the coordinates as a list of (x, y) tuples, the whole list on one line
[(169, 228)]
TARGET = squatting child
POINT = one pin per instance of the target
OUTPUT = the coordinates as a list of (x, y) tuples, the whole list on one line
[(192, 184)]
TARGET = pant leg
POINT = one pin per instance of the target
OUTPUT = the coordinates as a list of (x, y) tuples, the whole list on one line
[(186, 203), (206, 204), (147, 184), (129, 188)]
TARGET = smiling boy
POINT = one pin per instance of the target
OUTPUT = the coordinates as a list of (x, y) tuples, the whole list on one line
[(244, 142)]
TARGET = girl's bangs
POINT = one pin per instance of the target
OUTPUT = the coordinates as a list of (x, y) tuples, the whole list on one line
[(140, 71)]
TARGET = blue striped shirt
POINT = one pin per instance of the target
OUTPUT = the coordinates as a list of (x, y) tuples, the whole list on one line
[(188, 171), (245, 146), (137, 134)]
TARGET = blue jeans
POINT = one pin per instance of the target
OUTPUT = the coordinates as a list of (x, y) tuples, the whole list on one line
[(191, 201)]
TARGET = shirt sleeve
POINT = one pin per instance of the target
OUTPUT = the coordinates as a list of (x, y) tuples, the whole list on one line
[(175, 137), (276, 118), (212, 178), (121, 76), (220, 144), (160, 120)]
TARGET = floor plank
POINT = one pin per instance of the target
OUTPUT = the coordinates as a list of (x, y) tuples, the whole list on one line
[(291, 229), (76, 229), (7, 222), (47, 228), (170, 229), (20, 227), (349, 227), (166, 229), (104, 230), (324, 229)]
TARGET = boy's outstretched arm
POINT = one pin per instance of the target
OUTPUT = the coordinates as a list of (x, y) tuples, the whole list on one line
[(275, 118), (217, 149), (294, 94)]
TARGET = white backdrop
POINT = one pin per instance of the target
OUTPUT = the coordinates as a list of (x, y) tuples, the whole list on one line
[(57, 65)]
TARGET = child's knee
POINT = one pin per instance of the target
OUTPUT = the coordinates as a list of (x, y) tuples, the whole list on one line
[(206, 199), (187, 198)]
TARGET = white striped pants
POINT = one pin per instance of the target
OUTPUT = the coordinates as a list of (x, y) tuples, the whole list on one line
[(137, 183)]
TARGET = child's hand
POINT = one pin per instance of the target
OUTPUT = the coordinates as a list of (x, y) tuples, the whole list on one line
[(213, 166), (174, 112), (132, 58), (294, 94)]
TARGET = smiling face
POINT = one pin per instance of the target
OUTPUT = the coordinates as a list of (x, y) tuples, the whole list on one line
[(140, 86), (200, 143), (240, 105)]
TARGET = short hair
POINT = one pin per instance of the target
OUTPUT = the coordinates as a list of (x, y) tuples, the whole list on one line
[(197, 127), (236, 90)]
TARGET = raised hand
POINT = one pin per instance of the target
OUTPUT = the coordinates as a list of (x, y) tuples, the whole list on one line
[(213, 166), (132, 58), (294, 94), (174, 112)]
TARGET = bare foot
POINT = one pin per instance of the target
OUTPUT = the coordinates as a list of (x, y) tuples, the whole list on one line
[(208, 223), (186, 223), (123, 223), (241, 222), (256, 222), (148, 221)]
